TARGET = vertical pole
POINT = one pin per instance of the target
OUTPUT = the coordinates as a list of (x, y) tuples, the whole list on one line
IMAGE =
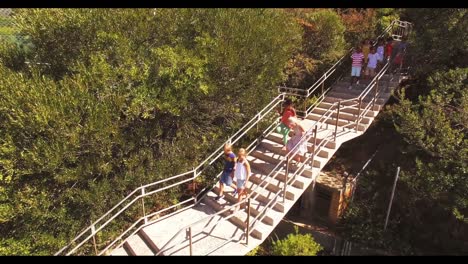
[(337, 118), (359, 114), (314, 146), (286, 178), (305, 106), (281, 106), (248, 222), (93, 231), (190, 240), (375, 93), (194, 188), (323, 82), (143, 203), (391, 198), (258, 121)]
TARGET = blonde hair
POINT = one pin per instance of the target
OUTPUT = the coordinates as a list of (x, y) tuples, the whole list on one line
[(293, 120), (242, 152), (228, 146)]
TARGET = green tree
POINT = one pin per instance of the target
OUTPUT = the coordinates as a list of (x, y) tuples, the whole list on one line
[(296, 245), (440, 39), (436, 127), (323, 43), (116, 98)]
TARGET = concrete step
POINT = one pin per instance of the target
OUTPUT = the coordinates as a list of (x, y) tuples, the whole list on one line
[(237, 218), (254, 211), (165, 231), (341, 122), (275, 149), (267, 217), (262, 195), (351, 110), (346, 94), (334, 98), (270, 184), (265, 162), (136, 246), (278, 138), (326, 130), (347, 81), (119, 252), (259, 167), (149, 242), (385, 77), (356, 90), (343, 115)]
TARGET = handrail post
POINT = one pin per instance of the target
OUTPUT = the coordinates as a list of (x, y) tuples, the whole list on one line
[(358, 114), (93, 232), (258, 120), (143, 203), (323, 82), (193, 182), (314, 146), (189, 234), (248, 222), (305, 106), (337, 118), (286, 179), (375, 93)]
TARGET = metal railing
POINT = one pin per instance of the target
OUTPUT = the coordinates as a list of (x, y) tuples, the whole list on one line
[(394, 30), (275, 171), (141, 192), (308, 135), (144, 191), (254, 194)]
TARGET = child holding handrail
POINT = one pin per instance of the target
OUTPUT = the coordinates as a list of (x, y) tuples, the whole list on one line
[(285, 125)]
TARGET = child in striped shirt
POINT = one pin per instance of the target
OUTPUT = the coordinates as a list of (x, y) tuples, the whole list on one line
[(357, 58)]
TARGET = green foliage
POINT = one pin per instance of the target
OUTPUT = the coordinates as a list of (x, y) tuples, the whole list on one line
[(296, 245), (385, 16), (325, 41), (116, 98), (360, 24), (440, 39), (437, 127), (254, 251), (428, 140)]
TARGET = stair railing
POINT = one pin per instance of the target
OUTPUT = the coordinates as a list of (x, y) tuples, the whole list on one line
[(311, 133), (90, 232), (141, 192)]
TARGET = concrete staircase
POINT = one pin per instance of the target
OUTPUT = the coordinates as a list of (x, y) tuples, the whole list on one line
[(224, 234)]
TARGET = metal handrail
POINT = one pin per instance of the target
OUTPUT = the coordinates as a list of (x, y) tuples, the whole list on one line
[(326, 139), (195, 172), (307, 135), (274, 170), (199, 169)]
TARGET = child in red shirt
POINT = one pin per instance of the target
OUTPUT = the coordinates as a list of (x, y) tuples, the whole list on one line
[(388, 49), (285, 125)]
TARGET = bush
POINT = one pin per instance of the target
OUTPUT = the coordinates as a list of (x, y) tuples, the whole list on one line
[(296, 245)]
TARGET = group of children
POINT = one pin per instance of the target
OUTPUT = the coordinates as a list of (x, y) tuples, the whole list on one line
[(239, 167), (368, 58), (234, 167)]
